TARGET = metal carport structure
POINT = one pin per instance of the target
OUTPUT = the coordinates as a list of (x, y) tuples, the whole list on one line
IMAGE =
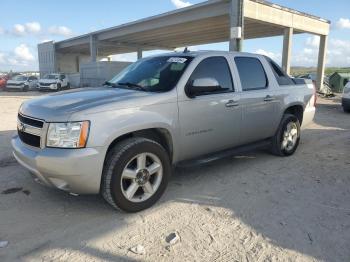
[(208, 22)]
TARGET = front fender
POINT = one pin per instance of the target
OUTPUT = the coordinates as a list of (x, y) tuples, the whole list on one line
[(108, 126)]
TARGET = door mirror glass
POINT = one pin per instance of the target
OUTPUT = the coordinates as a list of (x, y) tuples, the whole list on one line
[(202, 86)]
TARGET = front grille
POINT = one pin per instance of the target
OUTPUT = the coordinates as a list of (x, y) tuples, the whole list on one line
[(29, 130), (29, 139), (45, 84), (31, 121)]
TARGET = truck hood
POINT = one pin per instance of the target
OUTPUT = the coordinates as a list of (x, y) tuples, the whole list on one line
[(60, 106)]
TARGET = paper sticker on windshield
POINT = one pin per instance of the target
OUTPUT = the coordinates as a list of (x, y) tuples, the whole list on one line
[(180, 60)]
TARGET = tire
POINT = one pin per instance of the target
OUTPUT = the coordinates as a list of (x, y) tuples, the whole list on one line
[(346, 109), (279, 146), (58, 87), (125, 156), (68, 85), (25, 88)]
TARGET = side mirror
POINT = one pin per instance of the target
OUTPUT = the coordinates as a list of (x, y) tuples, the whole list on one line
[(202, 86)]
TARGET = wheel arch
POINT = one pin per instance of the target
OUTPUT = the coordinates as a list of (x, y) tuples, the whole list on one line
[(296, 110), (160, 135)]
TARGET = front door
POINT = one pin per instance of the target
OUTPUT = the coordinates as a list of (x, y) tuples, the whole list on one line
[(211, 121)]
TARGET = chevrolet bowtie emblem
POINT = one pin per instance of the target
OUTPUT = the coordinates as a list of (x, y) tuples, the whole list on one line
[(21, 127)]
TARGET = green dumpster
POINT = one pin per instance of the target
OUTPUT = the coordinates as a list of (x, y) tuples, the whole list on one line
[(337, 81)]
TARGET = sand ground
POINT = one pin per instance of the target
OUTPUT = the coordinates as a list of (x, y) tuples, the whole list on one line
[(253, 207)]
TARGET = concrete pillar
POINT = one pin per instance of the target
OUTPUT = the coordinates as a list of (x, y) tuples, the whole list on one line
[(287, 49), (139, 54), (322, 53), (236, 25), (93, 48)]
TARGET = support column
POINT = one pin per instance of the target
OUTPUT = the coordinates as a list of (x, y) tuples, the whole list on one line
[(287, 49), (322, 53), (93, 48), (139, 54), (236, 25)]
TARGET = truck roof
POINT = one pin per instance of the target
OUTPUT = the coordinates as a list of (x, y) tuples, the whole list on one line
[(203, 52)]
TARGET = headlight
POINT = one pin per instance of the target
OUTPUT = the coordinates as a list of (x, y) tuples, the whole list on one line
[(68, 135)]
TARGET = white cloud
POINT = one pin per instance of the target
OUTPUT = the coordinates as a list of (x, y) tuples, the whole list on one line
[(23, 53), (33, 27), (313, 41), (274, 56), (60, 30), (19, 29), (28, 28), (2, 58), (20, 58), (180, 3), (338, 53), (343, 23)]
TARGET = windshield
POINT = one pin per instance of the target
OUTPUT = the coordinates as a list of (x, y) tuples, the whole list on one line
[(155, 74), (51, 76), (20, 78)]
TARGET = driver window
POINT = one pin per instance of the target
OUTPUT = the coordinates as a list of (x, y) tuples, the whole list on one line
[(217, 68)]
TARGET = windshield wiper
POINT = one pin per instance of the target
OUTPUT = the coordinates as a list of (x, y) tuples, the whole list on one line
[(110, 84), (132, 85)]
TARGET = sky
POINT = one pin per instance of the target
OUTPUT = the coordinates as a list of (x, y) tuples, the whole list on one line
[(24, 24)]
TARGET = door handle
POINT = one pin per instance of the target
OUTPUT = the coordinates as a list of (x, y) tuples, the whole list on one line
[(269, 98), (231, 103)]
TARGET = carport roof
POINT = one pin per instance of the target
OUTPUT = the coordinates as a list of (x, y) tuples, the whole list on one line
[(203, 23)]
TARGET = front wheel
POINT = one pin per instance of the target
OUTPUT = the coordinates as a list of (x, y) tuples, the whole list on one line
[(286, 140), (135, 174)]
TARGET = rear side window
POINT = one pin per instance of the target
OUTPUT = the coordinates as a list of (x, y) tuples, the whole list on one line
[(281, 77), (217, 68), (251, 73)]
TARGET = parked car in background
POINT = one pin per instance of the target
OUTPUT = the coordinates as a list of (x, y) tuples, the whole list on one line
[(122, 139), (346, 98), (22, 83), (55, 82), (3, 81)]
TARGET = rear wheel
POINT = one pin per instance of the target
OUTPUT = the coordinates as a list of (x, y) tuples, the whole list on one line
[(25, 88), (286, 140), (135, 174)]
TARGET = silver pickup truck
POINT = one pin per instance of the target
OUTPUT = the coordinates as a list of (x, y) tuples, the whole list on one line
[(121, 140)]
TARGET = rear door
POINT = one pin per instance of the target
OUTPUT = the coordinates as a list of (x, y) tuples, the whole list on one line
[(210, 122), (259, 105)]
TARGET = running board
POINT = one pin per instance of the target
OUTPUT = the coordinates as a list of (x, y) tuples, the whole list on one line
[(224, 154)]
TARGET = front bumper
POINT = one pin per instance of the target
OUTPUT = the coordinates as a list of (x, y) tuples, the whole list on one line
[(345, 102), (48, 87), (74, 170), (14, 87)]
